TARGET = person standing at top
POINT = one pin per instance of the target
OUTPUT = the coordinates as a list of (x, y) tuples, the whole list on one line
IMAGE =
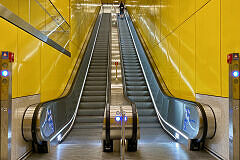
[(121, 6)]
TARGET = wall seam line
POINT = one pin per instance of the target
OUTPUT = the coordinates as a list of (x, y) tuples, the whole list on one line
[(184, 21)]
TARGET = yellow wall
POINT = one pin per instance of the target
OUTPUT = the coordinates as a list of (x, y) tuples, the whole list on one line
[(189, 41), (39, 68)]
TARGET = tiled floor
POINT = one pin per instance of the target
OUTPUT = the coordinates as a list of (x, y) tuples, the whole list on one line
[(153, 145)]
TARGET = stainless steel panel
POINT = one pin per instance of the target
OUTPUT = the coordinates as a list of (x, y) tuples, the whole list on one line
[(27, 123), (234, 104)]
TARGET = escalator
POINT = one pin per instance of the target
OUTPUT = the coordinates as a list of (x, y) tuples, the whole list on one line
[(78, 117), (137, 90), (90, 113), (160, 114)]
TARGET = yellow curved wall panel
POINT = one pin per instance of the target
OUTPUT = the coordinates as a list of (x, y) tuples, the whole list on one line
[(164, 18), (161, 57), (11, 5), (208, 60), (157, 22), (230, 37), (174, 12), (201, 3), (186, 9), (54, 73), (187, 59), (29, 54), (191, 41), (174, 64)]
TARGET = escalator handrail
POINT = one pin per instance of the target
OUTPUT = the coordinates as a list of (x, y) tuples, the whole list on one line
[(35, 118), (197, 104), (134, 109), (108, 88)]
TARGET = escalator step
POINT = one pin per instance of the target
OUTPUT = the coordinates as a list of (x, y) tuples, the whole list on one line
[(129, 53), (93, 99), (87, 125), (92, 105), (97, 74), (89, 119), (98, 64), (133, 74), (94, 93), (97, 70), (138, 93), (99, 60), (131, 64), (135, 83), (97, 53), (90, 112), (94, 88), (140, 98), (132, 67), (99, 57), (96, 78), (137, 88), (95, 83), (98, 67), (146, 112), (148, 119), (132, 71), (134, 79), (150, 125), (142, 105), (134, 57)]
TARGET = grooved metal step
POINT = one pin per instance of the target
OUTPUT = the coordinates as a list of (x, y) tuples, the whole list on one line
[(92, 105), (89, 119), (138, 93), (94, 93), (146, 112), (148, 119), (94, 88), (87, 126), (93, 98)]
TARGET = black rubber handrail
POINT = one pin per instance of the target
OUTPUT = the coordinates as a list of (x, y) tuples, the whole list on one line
[(134, 109)]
